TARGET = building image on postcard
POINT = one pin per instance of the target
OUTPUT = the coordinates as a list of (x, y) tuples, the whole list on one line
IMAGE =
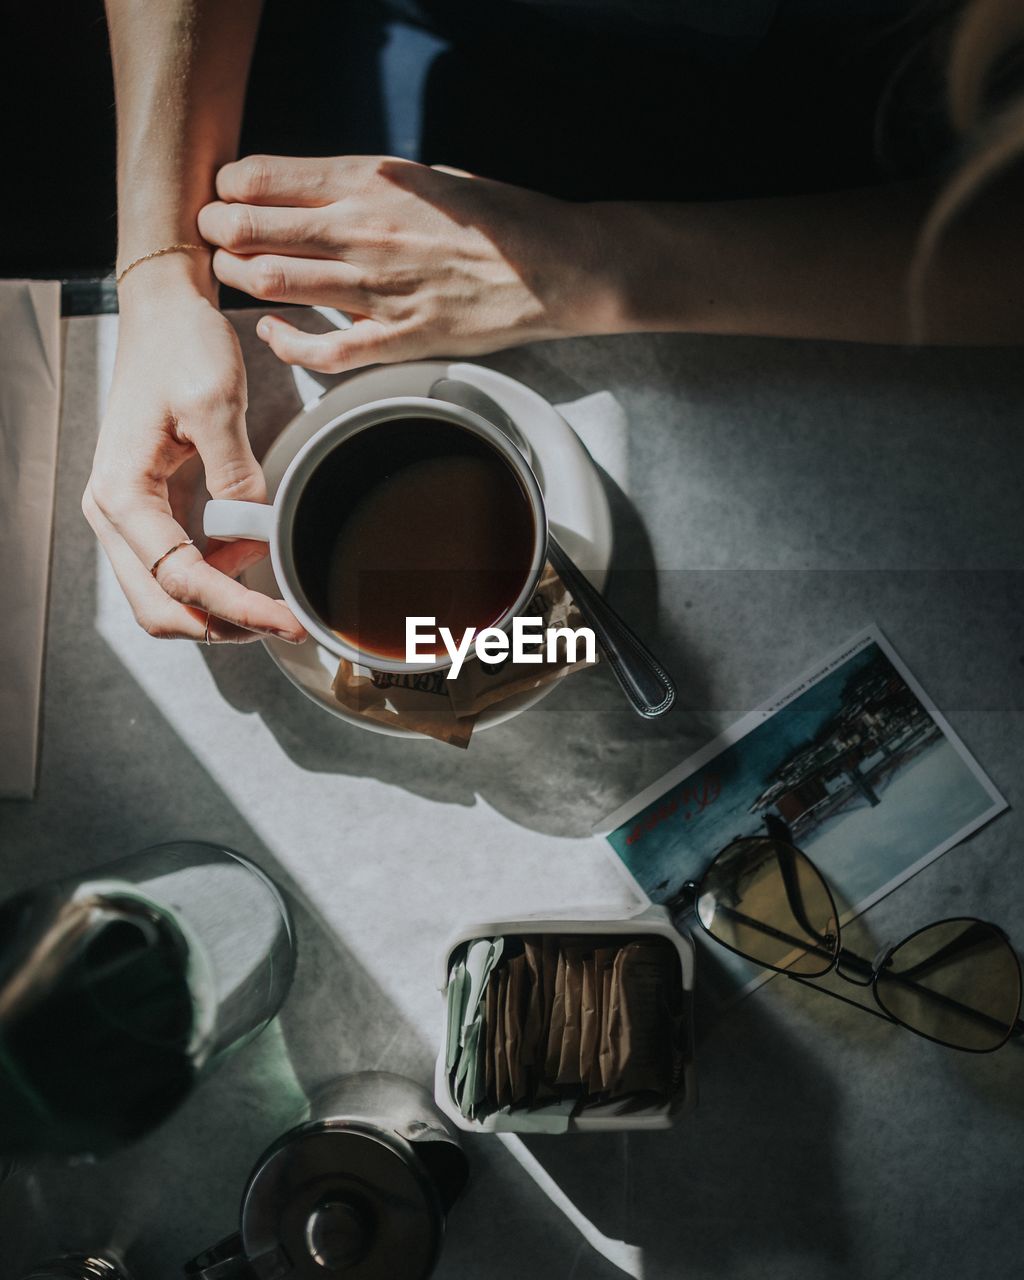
[(879, 727)]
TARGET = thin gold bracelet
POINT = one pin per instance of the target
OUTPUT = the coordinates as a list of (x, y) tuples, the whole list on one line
[(158, 253)]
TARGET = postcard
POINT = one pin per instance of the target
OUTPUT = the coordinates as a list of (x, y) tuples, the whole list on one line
[(852, 763)]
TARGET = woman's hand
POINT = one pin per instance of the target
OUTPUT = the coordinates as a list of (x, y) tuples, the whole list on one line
[(426, 260), (178, 390)]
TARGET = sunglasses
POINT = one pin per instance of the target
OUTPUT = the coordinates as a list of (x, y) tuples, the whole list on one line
[(957, 982)]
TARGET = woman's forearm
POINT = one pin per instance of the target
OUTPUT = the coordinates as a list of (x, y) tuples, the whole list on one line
[(180, 70), (833, 266)]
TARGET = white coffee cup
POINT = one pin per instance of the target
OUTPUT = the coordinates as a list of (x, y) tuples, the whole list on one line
[(273, 522)]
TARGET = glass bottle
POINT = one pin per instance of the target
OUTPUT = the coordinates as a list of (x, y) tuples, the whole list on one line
[(121, 988)]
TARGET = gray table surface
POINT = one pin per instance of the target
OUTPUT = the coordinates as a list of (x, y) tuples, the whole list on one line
[(789, 493)]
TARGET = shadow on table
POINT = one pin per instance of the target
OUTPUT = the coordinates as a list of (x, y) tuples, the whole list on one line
[(752, 1173), (336, 1019), (115, 777)]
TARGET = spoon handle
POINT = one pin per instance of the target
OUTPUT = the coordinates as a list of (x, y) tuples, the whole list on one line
[(645, 682)]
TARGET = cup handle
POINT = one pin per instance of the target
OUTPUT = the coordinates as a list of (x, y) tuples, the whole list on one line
[(228, 518)]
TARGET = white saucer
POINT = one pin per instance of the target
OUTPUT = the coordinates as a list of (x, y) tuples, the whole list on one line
[(574, 495)]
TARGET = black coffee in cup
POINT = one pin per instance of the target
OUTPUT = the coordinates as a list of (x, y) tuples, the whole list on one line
[(412, 517)]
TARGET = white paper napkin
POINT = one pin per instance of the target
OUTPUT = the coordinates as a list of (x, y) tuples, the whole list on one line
[(29, 414), (601, 423)]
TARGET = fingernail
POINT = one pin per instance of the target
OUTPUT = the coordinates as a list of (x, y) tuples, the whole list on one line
[(263, 330), (290, 636)]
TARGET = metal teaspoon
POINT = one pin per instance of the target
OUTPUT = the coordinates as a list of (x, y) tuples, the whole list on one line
[(645, 682)]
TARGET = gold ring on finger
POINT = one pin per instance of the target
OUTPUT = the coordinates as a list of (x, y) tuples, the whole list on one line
[(169, 552)]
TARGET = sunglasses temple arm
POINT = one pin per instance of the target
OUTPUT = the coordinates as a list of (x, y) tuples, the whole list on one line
[(864, 1008), (1018, 1028), (955, 1006), (771, 932), (791, 881), (848, 957), (937, 997)]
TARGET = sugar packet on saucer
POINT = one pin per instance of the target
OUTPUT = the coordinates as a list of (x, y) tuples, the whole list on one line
[(482, 684), (431, 704), (418, 703)]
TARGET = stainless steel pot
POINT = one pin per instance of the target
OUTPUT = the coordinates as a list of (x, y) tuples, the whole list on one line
[(77, 1266), (360, 1188)]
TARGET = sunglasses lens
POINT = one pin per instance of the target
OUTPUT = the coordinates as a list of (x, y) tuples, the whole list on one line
[(764, 899), (957, 982)]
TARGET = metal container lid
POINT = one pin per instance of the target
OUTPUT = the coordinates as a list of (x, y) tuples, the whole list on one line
[(341, 1199), (76, 1266)]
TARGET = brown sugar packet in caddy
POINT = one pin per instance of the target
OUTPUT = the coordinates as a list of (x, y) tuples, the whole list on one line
[(601, 1069), (569, 1057), (515, 1013), (597, 955), (556, 1023), (590, 1019), (534, 1042), (544, 1089), (646, 1006)]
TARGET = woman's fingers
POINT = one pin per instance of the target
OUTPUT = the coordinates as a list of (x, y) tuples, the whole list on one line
[(309, 281), (248, 229), (149, 529), (277, 180), (455, 173), (154, 610), (367, 342), (191, 580), (233, 558), (143, 519), (228, 460)]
